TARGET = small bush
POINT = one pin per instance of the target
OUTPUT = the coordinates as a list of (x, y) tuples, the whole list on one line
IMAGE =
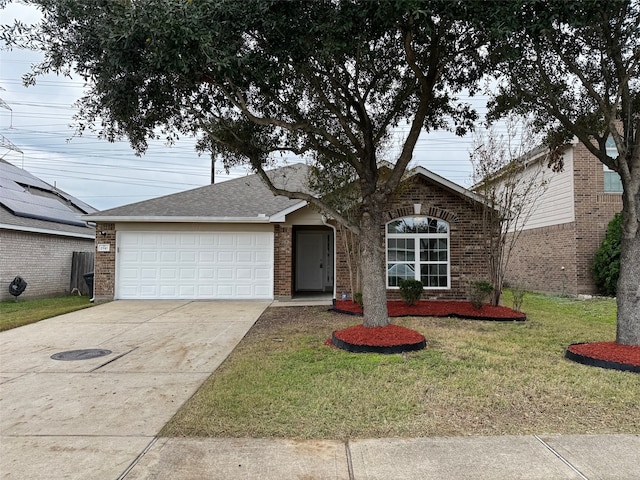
[(411, 291), (518, 298), (357, 297), (606, 263), (480, 290)]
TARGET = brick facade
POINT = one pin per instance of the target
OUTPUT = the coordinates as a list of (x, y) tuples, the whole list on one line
[(44, 261), (537, 261), (467, 260), (543, 260), (283, 261), (104, 281)]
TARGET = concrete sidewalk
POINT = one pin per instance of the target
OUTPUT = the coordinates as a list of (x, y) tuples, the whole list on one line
[(99, 418), (554, 457)]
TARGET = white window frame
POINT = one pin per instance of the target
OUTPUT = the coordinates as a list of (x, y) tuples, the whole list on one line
[(417, 263), (612, 151)]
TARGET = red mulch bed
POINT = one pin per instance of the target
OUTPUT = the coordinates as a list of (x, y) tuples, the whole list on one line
[(425, 308), (387, 339), (610, 355)]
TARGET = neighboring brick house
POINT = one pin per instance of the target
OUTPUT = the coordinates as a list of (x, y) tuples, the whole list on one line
[(554, 252), (235, 239), (40, 228)]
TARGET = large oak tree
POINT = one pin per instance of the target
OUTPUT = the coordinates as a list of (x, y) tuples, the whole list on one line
[(576, 67), (328, 81)]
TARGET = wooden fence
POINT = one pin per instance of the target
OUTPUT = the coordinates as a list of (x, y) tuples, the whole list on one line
[(81, 264)]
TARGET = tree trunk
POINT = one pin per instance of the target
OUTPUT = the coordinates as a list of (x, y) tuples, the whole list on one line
[(628, 296), (628, 289), (374, 289)]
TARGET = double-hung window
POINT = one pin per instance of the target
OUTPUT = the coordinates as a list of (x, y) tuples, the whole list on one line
[(612, 181), (418, 248)]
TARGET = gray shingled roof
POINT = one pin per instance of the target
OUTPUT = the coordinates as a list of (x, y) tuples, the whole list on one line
[(245, 197)]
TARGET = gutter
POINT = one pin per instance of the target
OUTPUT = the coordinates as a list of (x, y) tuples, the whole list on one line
[(60, 233), (169, 219)]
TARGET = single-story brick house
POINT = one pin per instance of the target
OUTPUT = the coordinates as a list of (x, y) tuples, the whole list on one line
[(40, 229), (237, 240)]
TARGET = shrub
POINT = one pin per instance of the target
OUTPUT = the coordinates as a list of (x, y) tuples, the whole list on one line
[(606, 263), (518, 297), (411, 291), (357, 297), (480, 290)]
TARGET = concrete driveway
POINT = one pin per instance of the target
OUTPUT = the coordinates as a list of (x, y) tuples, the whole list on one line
[(92, 418)]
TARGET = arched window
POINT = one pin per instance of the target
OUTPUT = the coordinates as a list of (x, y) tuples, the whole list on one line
[(418, 248)]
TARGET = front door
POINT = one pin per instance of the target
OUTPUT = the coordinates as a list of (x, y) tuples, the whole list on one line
[(310, 261)]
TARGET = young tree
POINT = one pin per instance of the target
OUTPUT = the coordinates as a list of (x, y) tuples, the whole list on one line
[(576, 67), (511, 183), (324, 80)]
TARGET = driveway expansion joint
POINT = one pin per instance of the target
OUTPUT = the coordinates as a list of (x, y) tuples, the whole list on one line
[(347, 449), (113, 359), (561, 458), (137, 459)]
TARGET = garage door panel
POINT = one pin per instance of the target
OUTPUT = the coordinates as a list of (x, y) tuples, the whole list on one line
[(187, 256), (225, 257), (225, 240), (225, 274), (148, 291), (205, 265), (224, 291), (187, 274), (244, 274), (147, 274), (206, 256), (148, 256), (206, 274), (168, 274)]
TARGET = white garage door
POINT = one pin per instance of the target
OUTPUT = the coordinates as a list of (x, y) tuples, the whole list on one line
[(194, 265)]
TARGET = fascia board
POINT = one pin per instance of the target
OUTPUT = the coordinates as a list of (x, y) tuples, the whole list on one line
[(448, 184), (281, 216), (60, 233), (170, 219)]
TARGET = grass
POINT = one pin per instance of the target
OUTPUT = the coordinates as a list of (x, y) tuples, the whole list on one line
[(474, 378), (15, 314)]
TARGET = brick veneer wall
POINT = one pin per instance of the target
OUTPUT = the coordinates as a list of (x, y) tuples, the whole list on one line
[(44, 261), (467, 259), (544, 260), (105, 272), (594, 210), (283, 261)]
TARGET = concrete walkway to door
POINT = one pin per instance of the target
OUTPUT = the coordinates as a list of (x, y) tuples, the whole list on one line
[(93, 418)]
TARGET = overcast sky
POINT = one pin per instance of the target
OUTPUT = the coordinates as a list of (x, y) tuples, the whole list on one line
[(39, 120)]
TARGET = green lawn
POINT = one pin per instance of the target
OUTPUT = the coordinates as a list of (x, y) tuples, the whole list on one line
[(474, 378), (15, 314)]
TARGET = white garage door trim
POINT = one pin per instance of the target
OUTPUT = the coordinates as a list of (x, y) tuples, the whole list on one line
[(194, 265)]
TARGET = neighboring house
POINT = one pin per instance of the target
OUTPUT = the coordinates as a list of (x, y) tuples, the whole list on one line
[(554, 252), (40, 228), (236, 240)]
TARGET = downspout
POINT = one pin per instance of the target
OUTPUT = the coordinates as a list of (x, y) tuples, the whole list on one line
[(335, 276)]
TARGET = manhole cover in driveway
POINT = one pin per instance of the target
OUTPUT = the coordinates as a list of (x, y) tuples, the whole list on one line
[(86, 354)]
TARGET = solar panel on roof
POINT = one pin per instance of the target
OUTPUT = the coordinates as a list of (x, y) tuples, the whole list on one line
[(13, 173), (10, 184), (38, 199), (23, 204)]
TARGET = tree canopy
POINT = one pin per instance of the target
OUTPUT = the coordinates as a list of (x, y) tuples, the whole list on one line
[(576, 67)]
